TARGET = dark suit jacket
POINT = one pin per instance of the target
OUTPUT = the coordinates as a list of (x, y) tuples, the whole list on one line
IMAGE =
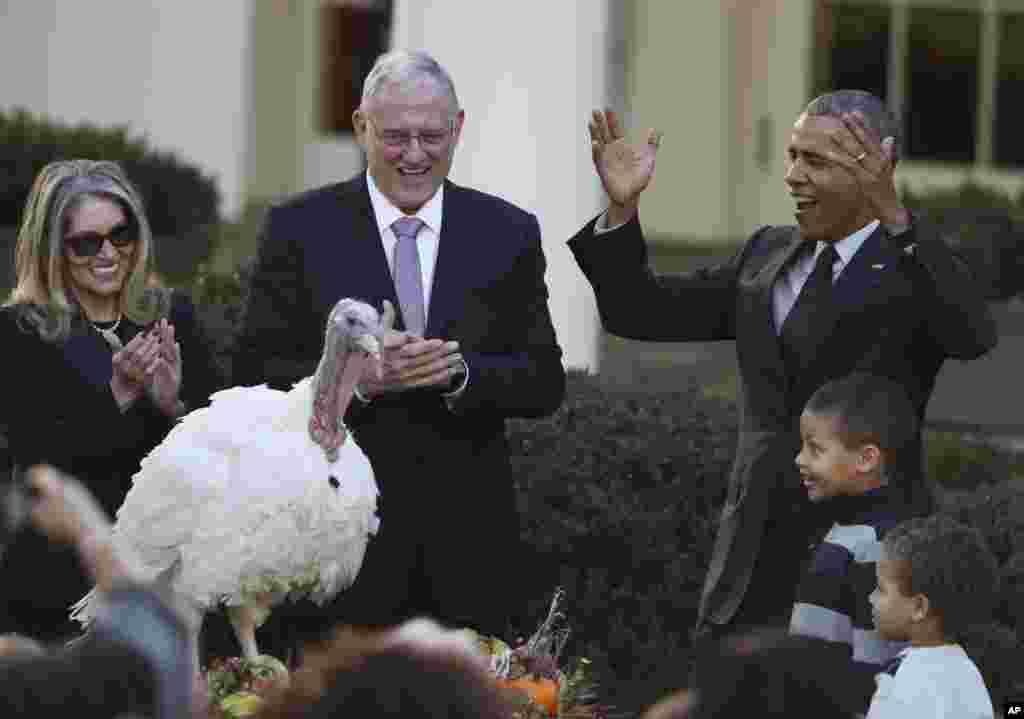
[(442, 473), (56, 407), (905, 304)]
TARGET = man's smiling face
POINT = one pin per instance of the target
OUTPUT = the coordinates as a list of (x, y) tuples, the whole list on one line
[(409, 131), (829, 202)]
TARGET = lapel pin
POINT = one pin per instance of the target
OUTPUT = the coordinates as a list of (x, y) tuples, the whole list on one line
[(878, 267)]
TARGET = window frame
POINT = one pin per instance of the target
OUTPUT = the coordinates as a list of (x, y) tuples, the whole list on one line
[(990, 12)]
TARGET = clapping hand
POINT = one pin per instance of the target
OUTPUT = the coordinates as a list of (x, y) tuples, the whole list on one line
[(409, 361), (625, 169), (150, 363), (163, 376), (130, 365)]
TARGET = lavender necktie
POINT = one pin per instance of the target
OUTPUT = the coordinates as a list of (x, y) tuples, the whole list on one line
[(406, 272)]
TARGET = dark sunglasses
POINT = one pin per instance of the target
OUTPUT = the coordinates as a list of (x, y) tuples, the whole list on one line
[(88, 244)]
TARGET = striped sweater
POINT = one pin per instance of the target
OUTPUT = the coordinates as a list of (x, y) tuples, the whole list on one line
[(832, 598)]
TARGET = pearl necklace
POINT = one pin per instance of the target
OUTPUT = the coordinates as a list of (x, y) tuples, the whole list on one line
[(108, 334)]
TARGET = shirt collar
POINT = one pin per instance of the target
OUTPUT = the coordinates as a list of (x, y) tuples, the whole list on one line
[(386, 212), (848, 246)]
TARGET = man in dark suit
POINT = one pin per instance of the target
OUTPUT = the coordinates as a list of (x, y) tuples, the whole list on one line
[(476, 345), (858, 284)]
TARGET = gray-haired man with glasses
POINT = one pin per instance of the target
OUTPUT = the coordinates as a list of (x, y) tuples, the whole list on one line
[(473, 345)]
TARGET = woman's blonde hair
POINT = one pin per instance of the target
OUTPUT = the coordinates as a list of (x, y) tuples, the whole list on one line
[(41, 288)]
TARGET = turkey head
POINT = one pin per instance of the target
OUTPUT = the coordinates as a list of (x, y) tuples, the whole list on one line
[(352, 340)]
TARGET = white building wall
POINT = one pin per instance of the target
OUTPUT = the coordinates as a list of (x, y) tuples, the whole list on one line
[(681, 82), (175, 72), (527, 74), (774, 50)]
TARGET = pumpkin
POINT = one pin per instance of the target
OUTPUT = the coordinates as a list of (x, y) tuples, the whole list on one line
[(542, 691)]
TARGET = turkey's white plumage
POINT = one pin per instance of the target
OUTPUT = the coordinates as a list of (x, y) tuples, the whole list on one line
[(240, 505)]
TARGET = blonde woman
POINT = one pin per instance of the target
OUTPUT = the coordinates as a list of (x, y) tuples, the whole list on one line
[(94, 365)]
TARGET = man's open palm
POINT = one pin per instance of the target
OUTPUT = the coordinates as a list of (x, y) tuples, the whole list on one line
[(625, 169)]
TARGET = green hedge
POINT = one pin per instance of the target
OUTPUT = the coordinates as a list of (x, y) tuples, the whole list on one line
[(618, 495), (958, 462), (182, 203)]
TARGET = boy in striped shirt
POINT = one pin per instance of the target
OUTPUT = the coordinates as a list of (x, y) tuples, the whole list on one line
[(852, 430)]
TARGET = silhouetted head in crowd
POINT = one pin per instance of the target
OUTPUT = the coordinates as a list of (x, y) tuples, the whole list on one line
[(767, 673), (18, 646), (95, 680), (418, 671)]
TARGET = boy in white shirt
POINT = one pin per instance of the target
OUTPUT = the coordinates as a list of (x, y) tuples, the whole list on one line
[(933, 575)]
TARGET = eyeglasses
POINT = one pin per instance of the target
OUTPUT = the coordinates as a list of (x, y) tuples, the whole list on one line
[(89, 244), (400, 139)]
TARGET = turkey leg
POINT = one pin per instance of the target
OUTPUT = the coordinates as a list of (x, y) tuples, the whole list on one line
[(246, 619)]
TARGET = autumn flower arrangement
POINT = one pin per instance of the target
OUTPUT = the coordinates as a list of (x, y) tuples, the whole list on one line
[(236, 686), (535, 674)]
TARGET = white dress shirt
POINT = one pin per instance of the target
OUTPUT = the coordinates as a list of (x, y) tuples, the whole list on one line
[(788, 285), (426, 241), (426, 245)]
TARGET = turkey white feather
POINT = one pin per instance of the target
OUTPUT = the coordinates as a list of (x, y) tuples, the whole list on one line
[(261, 496)]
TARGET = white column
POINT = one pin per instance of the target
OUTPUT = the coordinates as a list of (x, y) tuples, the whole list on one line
[(988, 78), (527, 74)]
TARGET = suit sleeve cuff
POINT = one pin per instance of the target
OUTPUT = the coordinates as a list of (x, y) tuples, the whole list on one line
[(462, 381), (359, 396)]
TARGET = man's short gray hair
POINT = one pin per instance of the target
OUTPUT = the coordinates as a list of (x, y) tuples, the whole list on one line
[(879, 119), (399, 66)]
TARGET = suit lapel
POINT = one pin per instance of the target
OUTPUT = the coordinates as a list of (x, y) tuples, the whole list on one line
[(452, 248), (858, 285), (769, 275), (764, 284), (852, 289), (360, 252), (867, 269)]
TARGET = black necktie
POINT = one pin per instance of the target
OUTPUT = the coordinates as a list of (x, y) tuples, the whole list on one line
[(803, 328)]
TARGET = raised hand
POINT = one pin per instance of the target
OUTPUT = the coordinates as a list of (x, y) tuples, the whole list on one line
[(64, 509), (872, 162), (625, 169), (66, 512)]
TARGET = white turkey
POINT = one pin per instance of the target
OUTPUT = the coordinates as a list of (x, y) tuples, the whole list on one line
[(262, 496)]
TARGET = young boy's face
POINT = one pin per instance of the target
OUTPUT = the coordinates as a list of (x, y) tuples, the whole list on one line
[(827, 467), (892, 609)]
